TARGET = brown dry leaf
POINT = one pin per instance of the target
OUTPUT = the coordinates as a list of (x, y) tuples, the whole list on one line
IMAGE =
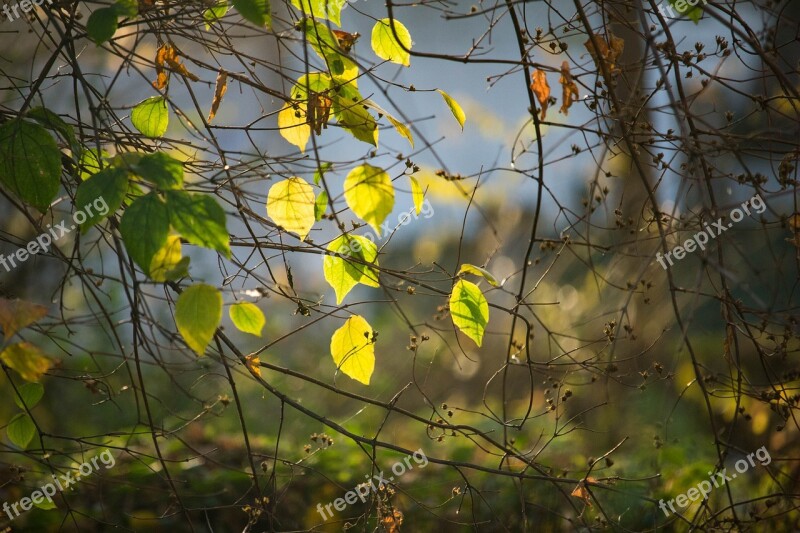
[(794, 222), (570, 90), (18, 314), (582, 492), (391, 524), (606, 48), (220, 89), (541, 89), (345, 40), (168, 54), (253, 364), (319, 111)]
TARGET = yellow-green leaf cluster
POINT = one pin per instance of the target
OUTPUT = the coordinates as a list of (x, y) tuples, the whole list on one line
[(343, 268), (391, 45)]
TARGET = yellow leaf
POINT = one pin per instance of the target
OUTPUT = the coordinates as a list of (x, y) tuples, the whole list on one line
[(401, 128), (248, 318), (27, 359), (369, 192), (541, 89), (18, 314), (294, 125), (416, 194), (478, 271), (290, 203), (253, 364), (454, 107), (343, 274), (198, 313), (353, 349), (166, 263), (469, 310), (387, 46)]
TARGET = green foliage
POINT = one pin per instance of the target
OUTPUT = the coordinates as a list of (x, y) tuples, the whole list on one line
[(469, 310), (325, 9), (248, 318), (151, 116), (30, 163), (102, 25), (110, 184), (198, 312), (21, 430), (52, 121), (344, 266), (391, 41), (255, 11), (30, 394), (160, 169), (144, 228), (216, 12), (200, 220)]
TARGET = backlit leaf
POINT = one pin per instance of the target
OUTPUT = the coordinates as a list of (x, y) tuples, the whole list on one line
[(324, 9), (213, 14), (18, 314), (401, 128), (27, 359), (198, 313), (541, 89), (160, 169), (248, 318), (52, 121), (168, 264), (220, 89), (326, 44), (348, 106), (200, 220), (320, 205), (469, 310), (291, 203), (467, 268), (30, 394), (369, 192), (390, 47), (342, 272), (151, 116), (353, 349), (569, 89), (110, 186), (454, 107), (416, 194), (90, 162), (255, 11), (144, 228), (294, 126), (21, 430), (30, 163)]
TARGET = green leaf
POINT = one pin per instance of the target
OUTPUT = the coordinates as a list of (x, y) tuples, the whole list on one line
[(256, 11), (248, 318), (27, 359), (353, 349), (126, 8), (30, 163), (342, 273), (198, 313), (291, 204), (348, 106), (169, 264), (694, 12), (454, 107), (401, 128), (369, 192), (469, 310), (324, 9), (110, 186), (416, 194), (323, 168), (144, 228), (30, 393), (213, 14), (52, 121), (21, 430), (467, 268), (320, 205), (387, 46), (91, 162), (151, 116), (102, 25), (160, 169), (200, 220), (18, 314), (46, 505), (323, 41)]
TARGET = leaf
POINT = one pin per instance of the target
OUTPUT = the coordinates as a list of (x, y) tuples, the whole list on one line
[(90, 162), (30, 394), (346, 40), (27, 359), (324, 9), (169, 264), (580, 491), (220, 89), (694, 12), (569, 89), (126, 8), (215, 13), (30, 163), (255, 11), (253, 364), (294, 125), (144, 228), (454, 107), (387, 46), (160, 169), (200, 220), (102, 25), (469, 310), (18, 314), (342, 273), (353, 349), (328, 46), (369, 192), (168, 54), (348, 106), (416, 194), (541, 89), (151, 117), (21, 430), (52, 121), (401, 128), (319, 111), (320, 205), (467, 268), (606, 50), (109, 185), (198, 313), (291, 204), (248, 318), (320, 172)]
